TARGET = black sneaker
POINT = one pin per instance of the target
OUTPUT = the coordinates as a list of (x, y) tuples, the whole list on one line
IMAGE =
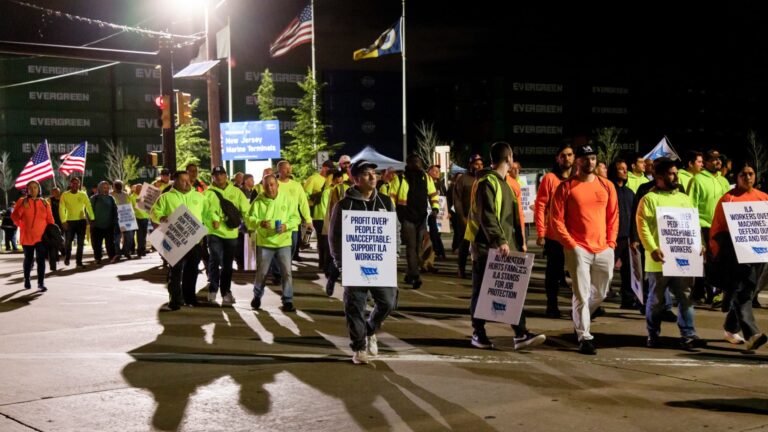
[(256, 303), (756, 341), (288, 307), (27, 284), (652, 342), (66, 262), (691, 342), (668, 316), (600, 311), (587, 347), (417, 283), (529, 340), (330, 285), (480, 340), (169, 308), (41, 288), (554, 313)]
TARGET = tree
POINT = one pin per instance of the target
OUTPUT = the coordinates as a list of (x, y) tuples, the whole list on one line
[(6, 175), (120, 165), (608, 147), (758, 154), (265, 97), (307, 138), (426, 141), (192, 146)]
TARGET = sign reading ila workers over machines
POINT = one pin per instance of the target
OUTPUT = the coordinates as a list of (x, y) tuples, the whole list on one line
[(174, 238), (505, 285), (680, 241), (748, 224), (253, 140), (369, 248)]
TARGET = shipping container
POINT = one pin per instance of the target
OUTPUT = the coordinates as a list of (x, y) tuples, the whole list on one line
[(55, 123), (22, 69)]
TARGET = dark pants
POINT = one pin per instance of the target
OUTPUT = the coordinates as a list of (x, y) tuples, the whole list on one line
[(322, 244), (462, 246), (240, 251), (183, 279), (10, 238), (141, 236), (743, 290), (127, 242), (99, 235), (434, 236), (75, 229), (478, 270), (412, 235), (34, 253), (222, 254), (355, 301), (702, 289), (554, 273), (458, 232), (622, 252)]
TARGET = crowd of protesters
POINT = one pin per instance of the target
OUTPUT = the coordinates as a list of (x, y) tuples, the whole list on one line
[(589, 217)]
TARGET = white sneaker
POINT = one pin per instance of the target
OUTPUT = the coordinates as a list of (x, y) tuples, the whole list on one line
[(211, 297), (529, 340), (360, 357), (734, 338), (373, 345), (228, 299)]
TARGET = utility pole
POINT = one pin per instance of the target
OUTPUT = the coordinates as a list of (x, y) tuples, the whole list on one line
[(214, 112), (165, 61)]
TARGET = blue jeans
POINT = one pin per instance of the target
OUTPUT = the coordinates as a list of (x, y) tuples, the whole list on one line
[(274, 269), (355, 301), (222, 253), (656, 304), (265, 261)]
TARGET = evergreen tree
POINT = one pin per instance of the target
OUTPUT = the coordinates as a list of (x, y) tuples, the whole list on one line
[(192, 146), (266, 98), (307, 138)]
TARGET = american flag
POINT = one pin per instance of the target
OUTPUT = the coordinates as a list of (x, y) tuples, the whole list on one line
[(74, 161), (38, 168), (298, 32)]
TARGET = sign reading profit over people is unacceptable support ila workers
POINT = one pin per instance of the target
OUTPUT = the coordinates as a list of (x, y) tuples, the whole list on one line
[(174, 238), (505, 284), (369, 248), (748, 224), (680, 241)]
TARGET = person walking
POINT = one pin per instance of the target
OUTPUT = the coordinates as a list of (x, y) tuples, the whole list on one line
[(32, 214), (74, 210)]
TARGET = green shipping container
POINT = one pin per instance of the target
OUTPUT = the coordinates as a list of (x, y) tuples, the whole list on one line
[(21, 69), (137, 123), (55, 123), (141, 98), (48, 96)]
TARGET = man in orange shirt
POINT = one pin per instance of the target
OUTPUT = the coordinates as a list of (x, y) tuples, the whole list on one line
[(547, 235), (585, 213)]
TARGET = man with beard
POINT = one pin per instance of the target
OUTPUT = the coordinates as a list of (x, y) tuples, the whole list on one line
[(462, 196), (585, 214), (547, 235)]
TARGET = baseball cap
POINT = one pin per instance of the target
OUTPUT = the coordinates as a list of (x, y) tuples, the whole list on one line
[(329, 164), (344, 158), (585, 150), (475, 157), (165, 171), (362, 165), (219, 170)]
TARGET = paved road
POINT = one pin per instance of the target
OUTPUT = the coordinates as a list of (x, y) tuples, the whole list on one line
[(94, 354)]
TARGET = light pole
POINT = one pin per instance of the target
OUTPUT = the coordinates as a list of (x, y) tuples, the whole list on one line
[(214, 112)]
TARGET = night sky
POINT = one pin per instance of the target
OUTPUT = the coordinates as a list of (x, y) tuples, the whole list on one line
[(696, 75)]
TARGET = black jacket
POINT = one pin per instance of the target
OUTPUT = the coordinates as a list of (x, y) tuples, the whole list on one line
[(353, 200), (52, 238)]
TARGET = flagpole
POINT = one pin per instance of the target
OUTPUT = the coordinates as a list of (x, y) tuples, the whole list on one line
[(314, 78), (402, 43)]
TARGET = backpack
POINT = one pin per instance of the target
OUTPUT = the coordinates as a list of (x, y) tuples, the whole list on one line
[(232, 216)]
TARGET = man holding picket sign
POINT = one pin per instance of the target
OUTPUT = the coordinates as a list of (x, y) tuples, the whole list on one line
[(494, 223), (379, 281), (665, 194), (183, 275)]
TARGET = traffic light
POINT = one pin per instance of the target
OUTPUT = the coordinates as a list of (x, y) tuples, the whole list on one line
[(184, 113), (164, 107)]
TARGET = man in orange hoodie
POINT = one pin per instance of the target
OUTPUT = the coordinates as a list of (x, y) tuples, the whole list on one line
[(547, 236), (585, 213)]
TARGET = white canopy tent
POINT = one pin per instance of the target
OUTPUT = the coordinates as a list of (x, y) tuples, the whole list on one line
[(371, 155)]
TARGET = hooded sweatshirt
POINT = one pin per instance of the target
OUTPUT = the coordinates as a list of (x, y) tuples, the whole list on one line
[(353, 200), (268, 209)]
